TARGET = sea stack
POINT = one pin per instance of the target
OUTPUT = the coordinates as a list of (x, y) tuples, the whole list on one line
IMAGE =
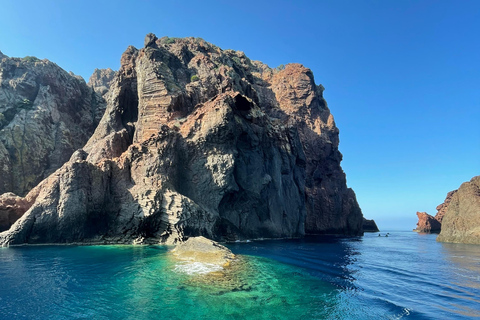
[(198, 141)]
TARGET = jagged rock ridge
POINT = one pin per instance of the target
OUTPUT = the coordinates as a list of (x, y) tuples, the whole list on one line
[(199, 141)]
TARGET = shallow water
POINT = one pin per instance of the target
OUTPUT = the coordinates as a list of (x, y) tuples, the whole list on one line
[(404, 276)]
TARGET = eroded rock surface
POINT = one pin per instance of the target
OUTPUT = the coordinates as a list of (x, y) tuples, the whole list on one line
[(45, 115), (199, 141), (442, 208), (427, 223), (461, 222), (101, 80)]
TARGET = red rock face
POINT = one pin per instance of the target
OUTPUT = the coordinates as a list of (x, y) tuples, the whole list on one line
[(199, 141), (427, 223), (442, 208)]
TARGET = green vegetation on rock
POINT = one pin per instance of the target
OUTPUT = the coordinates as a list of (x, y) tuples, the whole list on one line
[(30, 59), (194, 78)]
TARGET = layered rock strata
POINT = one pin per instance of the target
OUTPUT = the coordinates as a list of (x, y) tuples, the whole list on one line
[(45, 115), (461, 222), (199, 141)]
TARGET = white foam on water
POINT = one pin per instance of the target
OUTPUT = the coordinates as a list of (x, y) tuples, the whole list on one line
[(197, 268)]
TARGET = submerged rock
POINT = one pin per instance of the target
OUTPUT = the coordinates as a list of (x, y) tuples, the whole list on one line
[(461, 222), (204, 251), (199, 141)]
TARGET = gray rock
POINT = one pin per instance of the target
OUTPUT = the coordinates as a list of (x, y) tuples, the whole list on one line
[(45, 115)]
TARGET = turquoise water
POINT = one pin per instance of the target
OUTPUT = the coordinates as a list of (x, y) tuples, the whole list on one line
[(404, 276)]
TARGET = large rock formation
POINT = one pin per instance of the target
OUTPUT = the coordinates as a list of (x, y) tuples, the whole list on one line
[(442, 208), (369, 225), (461, 222), (199, 141), (427, 223), (45, 115)]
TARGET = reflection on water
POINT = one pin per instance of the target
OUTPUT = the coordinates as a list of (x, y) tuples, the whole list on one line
[(404, 276)]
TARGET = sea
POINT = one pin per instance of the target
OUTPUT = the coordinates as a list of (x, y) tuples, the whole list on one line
[(406, 275)]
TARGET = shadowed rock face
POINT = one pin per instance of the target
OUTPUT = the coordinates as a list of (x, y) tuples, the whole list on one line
[(199, 141), (369, 225), (461, 222), (45, 115)]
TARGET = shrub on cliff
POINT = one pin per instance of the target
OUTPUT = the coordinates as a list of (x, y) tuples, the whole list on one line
[(30, 59)]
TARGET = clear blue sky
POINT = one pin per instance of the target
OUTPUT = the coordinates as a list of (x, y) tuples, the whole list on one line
[(402, 78)]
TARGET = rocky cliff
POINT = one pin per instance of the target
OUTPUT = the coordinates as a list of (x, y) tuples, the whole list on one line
[(100, 80), (199, 141), (45, 115), (429, 224), (369, 225), (461, 222)]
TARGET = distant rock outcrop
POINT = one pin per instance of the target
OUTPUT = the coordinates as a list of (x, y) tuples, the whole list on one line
[(461, 222), (427, 223), (199, 141), (45, 115), (369, 226)]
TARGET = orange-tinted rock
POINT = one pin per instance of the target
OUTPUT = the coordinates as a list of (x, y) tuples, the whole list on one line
[(442, 208), (427, 223)]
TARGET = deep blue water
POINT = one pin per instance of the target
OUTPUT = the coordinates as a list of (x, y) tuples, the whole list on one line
[(404, 276)]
